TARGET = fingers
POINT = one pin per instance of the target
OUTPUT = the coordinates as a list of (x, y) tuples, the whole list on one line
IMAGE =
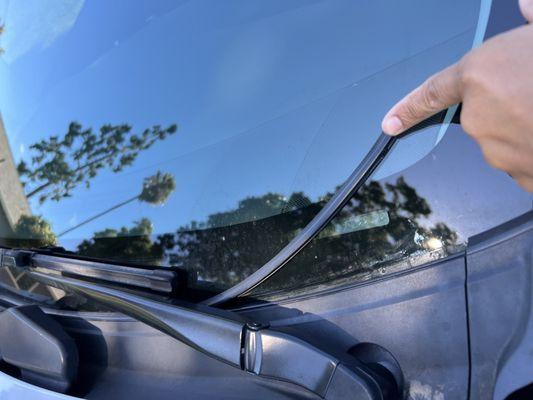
[(436, 94), (526, 6)]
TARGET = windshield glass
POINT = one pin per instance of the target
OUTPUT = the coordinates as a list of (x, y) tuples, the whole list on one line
[(201, 134)]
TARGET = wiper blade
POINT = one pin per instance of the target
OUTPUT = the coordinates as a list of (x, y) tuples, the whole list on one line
[(359, 176), (162, 280)]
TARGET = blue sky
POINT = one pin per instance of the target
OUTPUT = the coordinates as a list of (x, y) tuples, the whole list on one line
[(274, 95)]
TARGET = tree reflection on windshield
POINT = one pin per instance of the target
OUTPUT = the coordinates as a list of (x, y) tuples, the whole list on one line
[(60, 164), (32, 231), (228, 254), (125, 244), (225, 253), (408, 238), (155, 191)]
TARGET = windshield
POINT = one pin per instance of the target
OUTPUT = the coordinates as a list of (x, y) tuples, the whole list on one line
[(201, 134)]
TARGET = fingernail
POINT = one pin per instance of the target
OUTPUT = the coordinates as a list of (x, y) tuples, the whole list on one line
[(392, 125)]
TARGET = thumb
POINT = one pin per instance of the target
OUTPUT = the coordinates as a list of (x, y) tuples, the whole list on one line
[(526, 6), (437, 93)]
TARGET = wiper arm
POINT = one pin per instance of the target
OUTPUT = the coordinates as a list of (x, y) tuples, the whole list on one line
[(163, 280), (240, 343), (191, 325)]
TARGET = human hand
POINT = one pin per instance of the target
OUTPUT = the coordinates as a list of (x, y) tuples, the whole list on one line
[(495, 85)]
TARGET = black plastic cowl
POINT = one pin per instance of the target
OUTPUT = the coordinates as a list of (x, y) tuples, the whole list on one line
[(38, 347)]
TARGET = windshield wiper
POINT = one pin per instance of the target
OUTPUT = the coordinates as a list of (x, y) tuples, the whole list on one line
[(162, 280), (252, 347), (359, 176)]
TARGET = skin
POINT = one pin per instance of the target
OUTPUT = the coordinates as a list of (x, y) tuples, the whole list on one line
[(495, 84)]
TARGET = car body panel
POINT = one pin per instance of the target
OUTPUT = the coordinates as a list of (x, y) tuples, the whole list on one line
[(15, 389), (418, 316), (500, 304)]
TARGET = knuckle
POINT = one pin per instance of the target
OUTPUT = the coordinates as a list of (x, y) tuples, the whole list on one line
[(468, 74), (432, 95), (411, 112)]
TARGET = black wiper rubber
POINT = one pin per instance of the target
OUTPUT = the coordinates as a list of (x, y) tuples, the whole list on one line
[(158, 279), (359, 176)]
